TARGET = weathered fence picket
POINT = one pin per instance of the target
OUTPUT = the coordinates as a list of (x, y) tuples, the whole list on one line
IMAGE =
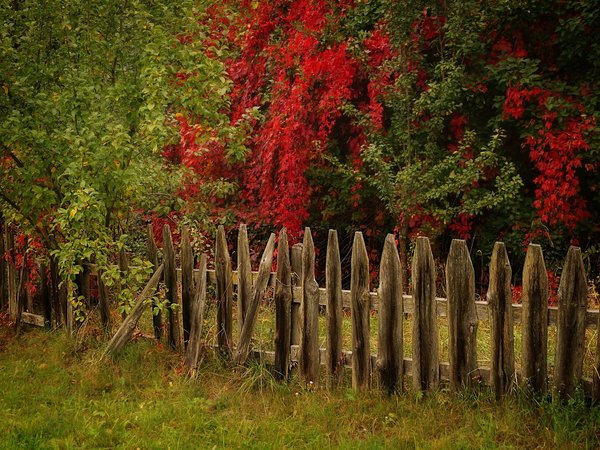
[(572, 302), (224, 293), (244, 270), (172, 292), (361, 314), (390, 338), (425, 360), (534, 364), (462, 315), (296, 260), (309, 313), (283, 307), (500, 299), (333, 286)]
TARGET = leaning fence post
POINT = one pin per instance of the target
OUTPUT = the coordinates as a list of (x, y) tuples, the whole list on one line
[(499, 296), (359, 295), (264, 272), (333, 287), (224, 292), (462, 315), (170, 277), (425, 357), (390, 362), (283, 307), (534, 320), (309, 340), (572, 304)]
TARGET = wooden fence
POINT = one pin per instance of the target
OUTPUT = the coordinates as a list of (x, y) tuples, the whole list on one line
[(299, 301)]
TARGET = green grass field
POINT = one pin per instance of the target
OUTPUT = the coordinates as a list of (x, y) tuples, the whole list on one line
[(56, 395)]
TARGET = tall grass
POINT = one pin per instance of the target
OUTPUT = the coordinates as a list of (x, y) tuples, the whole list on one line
[(54, 394)]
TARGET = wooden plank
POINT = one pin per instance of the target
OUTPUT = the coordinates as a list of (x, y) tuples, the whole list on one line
[(500, 300), (462, 315), (260, 286), (224, 292), (283, 307), (172, 292), (534, 364), (359, 288), (192, 354), (426, 374), (333, 288), (309, 339), (244, 272), (570, 339), (45, 293), (152, 253), (296, 260), (123, 334), (390, 335), (187, 284)]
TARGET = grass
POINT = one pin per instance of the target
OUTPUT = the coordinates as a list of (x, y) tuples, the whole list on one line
[(56, 395)]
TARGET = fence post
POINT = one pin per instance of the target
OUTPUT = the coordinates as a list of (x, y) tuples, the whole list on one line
[(170, 277), (224, 292), (361, 314), (390, 356), (425, 357), (309, 339), (244, 268), (283, 307), (12, 276), (296, 260), (187, 284), (499, 296), (462, 315), (103, 300), (152, 252), (264, 272), (534, 320), (192, 354), (333, 287), (572, 303)]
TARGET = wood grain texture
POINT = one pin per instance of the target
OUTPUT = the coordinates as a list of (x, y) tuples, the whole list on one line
[(296, 260), (425, 334), (534, 361), (361, 308), (570, 338), (152, 253), (283, 307), (499, 296), (462, 315), (224, 293), (172, 292), (187, 284), (390, 334), (244, 270), (192, 354), (333, 287), (309, 341)]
